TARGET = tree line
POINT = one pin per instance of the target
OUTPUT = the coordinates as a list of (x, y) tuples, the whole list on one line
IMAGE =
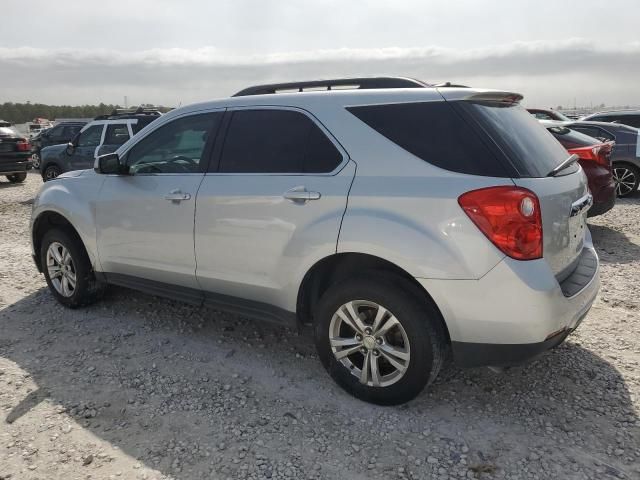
[(26, 112)]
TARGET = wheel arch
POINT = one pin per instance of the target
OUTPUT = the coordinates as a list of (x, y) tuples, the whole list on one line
[(44, 222), (340, 266)]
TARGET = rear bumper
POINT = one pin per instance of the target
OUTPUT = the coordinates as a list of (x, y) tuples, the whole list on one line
[(516, 311), (603, 200), (12, 165)]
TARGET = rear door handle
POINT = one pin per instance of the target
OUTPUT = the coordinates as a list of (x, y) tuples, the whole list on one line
[(177, 196), (301, 194)]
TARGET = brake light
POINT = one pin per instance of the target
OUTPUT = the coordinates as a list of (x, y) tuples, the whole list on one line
[(23, 145), (598, 153), (509, 216)]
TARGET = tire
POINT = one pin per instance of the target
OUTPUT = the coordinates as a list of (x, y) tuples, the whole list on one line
[(35, 159), (420, 338), (17, 177), (86, 289), (627, 178), (51, 172)]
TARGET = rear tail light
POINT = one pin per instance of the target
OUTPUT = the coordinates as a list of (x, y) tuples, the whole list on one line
[(23, 146), (598, 153), (509, 216)]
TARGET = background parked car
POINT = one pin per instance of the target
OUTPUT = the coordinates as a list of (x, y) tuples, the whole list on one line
[(62, 133), (625, 117), (548, 114), (595, 160), (625, 157), (96, 138), (14, 155)]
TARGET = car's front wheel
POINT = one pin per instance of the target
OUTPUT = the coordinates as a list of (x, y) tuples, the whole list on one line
[(17, 177), (68, 270), (626, 178), (51, 172), (378, 339)]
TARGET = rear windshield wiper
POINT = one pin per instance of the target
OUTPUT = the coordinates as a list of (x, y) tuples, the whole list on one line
[(564, 165)]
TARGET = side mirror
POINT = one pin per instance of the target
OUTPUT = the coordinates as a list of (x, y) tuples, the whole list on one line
[(70, 148), (110, 164)]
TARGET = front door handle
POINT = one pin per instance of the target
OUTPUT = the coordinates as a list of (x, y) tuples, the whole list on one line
[(301, 194), (177, 196)]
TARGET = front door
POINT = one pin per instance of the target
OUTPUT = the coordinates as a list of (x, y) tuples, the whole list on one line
[(273, 206), (145, 219)]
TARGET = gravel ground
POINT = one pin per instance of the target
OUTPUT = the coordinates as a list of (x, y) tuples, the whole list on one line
[(138, 387)]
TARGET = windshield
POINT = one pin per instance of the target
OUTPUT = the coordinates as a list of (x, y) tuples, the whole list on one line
[(530, 148)]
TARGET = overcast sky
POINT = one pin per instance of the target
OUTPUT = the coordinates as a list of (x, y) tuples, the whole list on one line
[(181, 51)]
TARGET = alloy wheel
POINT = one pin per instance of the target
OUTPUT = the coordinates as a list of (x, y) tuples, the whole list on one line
[(371, 342), (51, 173), (625, 180), (61, 269), (35, 160)]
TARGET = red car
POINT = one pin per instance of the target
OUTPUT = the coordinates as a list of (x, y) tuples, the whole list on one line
[(595, 159)]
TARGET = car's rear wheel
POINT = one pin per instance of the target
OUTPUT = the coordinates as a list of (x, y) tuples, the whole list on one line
[(68, 270), (51, 172), (378, 339), (17, 177), (35, 160), (626, 178)]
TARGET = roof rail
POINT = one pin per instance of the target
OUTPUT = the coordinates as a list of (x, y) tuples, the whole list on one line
[(364, 83), (129, 113)]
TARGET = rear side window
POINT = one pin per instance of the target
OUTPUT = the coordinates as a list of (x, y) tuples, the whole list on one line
[(434, 132), (116, 134), (138, 125), (276, 141), (571, 139), (521, 138), (594, 132), (631, 120)]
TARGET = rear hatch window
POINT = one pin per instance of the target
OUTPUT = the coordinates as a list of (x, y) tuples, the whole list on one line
[(572, 139), (521, 138)]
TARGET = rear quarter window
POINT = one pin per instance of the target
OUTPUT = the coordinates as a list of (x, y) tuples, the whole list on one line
[(435, 133)]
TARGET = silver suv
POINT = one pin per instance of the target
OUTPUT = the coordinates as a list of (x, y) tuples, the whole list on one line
[(401, 223)]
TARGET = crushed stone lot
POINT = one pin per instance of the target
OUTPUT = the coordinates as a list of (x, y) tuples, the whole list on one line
[(138, 387)]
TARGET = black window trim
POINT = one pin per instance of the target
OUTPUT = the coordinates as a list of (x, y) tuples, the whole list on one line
[(209, 146), (470, 121), (214, 166)]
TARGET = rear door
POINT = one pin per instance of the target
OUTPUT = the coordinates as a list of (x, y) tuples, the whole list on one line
[(274, 205)]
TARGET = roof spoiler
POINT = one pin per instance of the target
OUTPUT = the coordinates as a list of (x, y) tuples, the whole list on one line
[(495, 97)]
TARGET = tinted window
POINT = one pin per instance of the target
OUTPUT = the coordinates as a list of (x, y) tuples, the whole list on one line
[(543, 115), (116, 134), (276, 141), (176, 147), (436, 133), (572, 139), (594, 132), (632, 120), (141, 123), (91, 136), (524, 141)]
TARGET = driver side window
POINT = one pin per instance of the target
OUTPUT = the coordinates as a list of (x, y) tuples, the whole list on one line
[(176, 147)]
